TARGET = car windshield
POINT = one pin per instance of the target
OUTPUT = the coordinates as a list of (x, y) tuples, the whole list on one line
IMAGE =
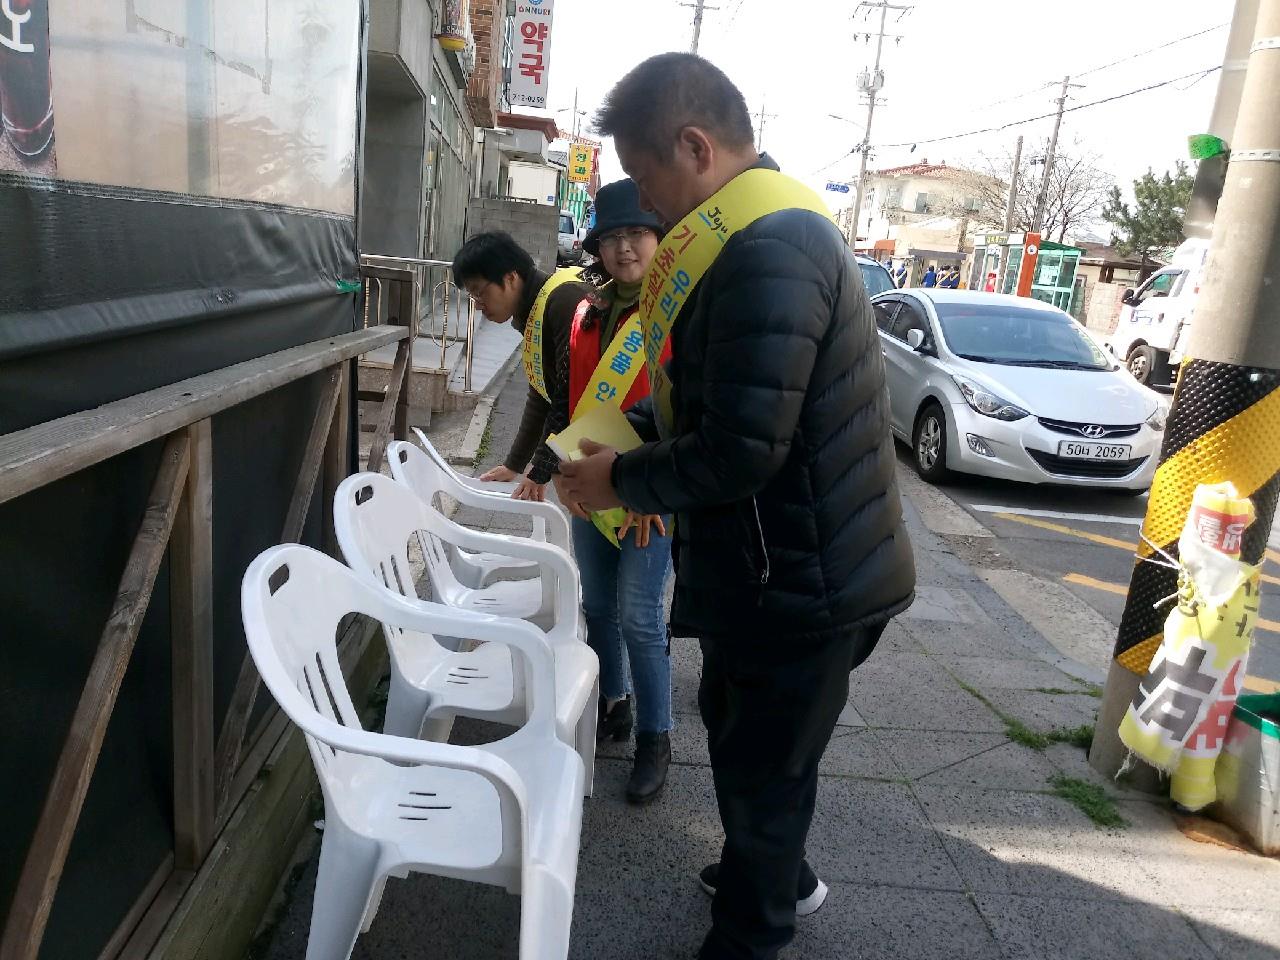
[(875, 278), (1018, 336), (566, 223)]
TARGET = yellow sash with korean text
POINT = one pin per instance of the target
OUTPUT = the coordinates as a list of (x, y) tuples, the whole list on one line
[(532, 354), (687, 252), (610, 382)]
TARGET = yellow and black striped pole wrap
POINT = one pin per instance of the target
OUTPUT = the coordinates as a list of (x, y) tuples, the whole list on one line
[(1224, 425)]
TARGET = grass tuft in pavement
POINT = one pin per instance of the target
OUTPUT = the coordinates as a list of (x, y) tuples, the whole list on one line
[(486, 439), (1089, 799), (1081, 736), (1019, 732), (1062, 691)]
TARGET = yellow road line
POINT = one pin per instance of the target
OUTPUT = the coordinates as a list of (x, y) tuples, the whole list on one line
[(1105, 541), (1258, 685), (1082, 580), (1069, 531), (1271, 626)]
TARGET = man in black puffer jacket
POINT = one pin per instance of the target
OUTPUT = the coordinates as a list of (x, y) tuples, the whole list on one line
[(789, 546)]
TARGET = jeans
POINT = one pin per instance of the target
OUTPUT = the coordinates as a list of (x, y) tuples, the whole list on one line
[(770, 709), (622, 597)]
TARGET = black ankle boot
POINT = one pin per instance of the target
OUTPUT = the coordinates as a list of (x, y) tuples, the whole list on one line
[(614, 723), (653, 756)]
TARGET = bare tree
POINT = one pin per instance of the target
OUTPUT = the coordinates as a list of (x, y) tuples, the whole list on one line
[(1077, 189)]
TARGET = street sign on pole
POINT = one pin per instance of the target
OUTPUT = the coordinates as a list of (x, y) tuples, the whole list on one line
[(581, 159), (838, 187)]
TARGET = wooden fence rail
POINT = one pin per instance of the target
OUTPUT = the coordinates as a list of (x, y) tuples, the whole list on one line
[(208, 776)]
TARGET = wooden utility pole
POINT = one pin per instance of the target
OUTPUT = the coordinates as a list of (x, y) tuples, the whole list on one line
[(870, 82), (761, 119), (1042, 201), (699, 6), (1013, 187)]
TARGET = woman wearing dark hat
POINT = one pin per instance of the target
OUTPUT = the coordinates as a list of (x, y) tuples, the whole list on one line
[(623, 589)]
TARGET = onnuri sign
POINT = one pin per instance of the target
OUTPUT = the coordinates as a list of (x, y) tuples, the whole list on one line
[(531, 71)]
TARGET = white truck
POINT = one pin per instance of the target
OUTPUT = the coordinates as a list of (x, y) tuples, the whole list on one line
[(1154, 317)]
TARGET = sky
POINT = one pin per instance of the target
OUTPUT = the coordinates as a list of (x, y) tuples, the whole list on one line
[(956, 59)]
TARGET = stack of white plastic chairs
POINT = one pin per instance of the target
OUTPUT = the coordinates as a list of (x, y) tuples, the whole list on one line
[(501, 639)]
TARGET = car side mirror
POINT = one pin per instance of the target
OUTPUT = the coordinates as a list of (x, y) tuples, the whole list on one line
[(1128, 299), (915, 339)]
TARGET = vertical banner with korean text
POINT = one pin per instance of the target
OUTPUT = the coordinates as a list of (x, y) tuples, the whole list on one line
[(531, 71)]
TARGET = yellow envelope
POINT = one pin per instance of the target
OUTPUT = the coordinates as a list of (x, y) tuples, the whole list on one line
[(604, 423)]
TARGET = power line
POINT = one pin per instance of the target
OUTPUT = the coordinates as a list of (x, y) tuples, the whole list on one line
[(1199, 74), (828, 166), (1105, 66), (733, 15), (1135, 56)]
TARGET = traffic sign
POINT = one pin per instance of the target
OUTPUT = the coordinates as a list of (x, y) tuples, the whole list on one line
[(838, 187)]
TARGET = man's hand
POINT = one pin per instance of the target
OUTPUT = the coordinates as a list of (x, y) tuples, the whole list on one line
[(526, 489), (642, 523), (573, 506), (587, 481), (500, 474)]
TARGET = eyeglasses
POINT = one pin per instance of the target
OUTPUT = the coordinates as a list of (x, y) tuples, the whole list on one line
[(633, 236)]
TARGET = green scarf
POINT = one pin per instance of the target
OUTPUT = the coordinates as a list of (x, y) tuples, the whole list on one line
[(623, 296)]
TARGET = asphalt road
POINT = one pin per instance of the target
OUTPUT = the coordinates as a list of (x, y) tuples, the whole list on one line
[(1085, 541)]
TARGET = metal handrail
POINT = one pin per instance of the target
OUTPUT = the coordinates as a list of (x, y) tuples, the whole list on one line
[(416, 261), (421, 267)]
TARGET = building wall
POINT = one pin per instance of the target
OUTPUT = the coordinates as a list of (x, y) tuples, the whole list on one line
[(391, 214), (531, 181), (450, 143), (532, 225), (1102, 301), (945, 198), (488, 20)]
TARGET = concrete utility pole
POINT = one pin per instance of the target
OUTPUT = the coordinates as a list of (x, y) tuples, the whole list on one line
[(1013, 188), (870, 83), (1225, 421), (1043, 199), (1212, 171), (761, 119), (698, 7)]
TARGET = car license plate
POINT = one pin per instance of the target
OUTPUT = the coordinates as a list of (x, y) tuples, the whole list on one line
[(1076, 450)]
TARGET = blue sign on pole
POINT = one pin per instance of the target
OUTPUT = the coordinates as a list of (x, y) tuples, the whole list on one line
[(838, 187)]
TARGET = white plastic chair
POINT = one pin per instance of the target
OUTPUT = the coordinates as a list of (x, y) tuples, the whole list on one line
[(427, 473), (508, 813), (375, 518)]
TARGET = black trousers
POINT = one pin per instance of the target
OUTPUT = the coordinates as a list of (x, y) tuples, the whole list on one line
[(770, 710)]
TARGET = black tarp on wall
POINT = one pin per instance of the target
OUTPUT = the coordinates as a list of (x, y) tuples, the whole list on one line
[(182, 288), (189, 204)]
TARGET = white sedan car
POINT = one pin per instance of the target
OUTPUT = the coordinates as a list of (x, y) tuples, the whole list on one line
[(1013, 388)]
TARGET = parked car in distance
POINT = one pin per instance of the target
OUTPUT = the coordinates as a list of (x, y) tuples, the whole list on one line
[(1156, 315), (875, 276), (569, 241), (1009, 387)]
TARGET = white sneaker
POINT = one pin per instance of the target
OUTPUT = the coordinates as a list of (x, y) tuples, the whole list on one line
[(810, 896)]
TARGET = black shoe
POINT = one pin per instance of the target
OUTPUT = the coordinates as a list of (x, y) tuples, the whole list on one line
[(810, 893), (614, 723), (653, 756)]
